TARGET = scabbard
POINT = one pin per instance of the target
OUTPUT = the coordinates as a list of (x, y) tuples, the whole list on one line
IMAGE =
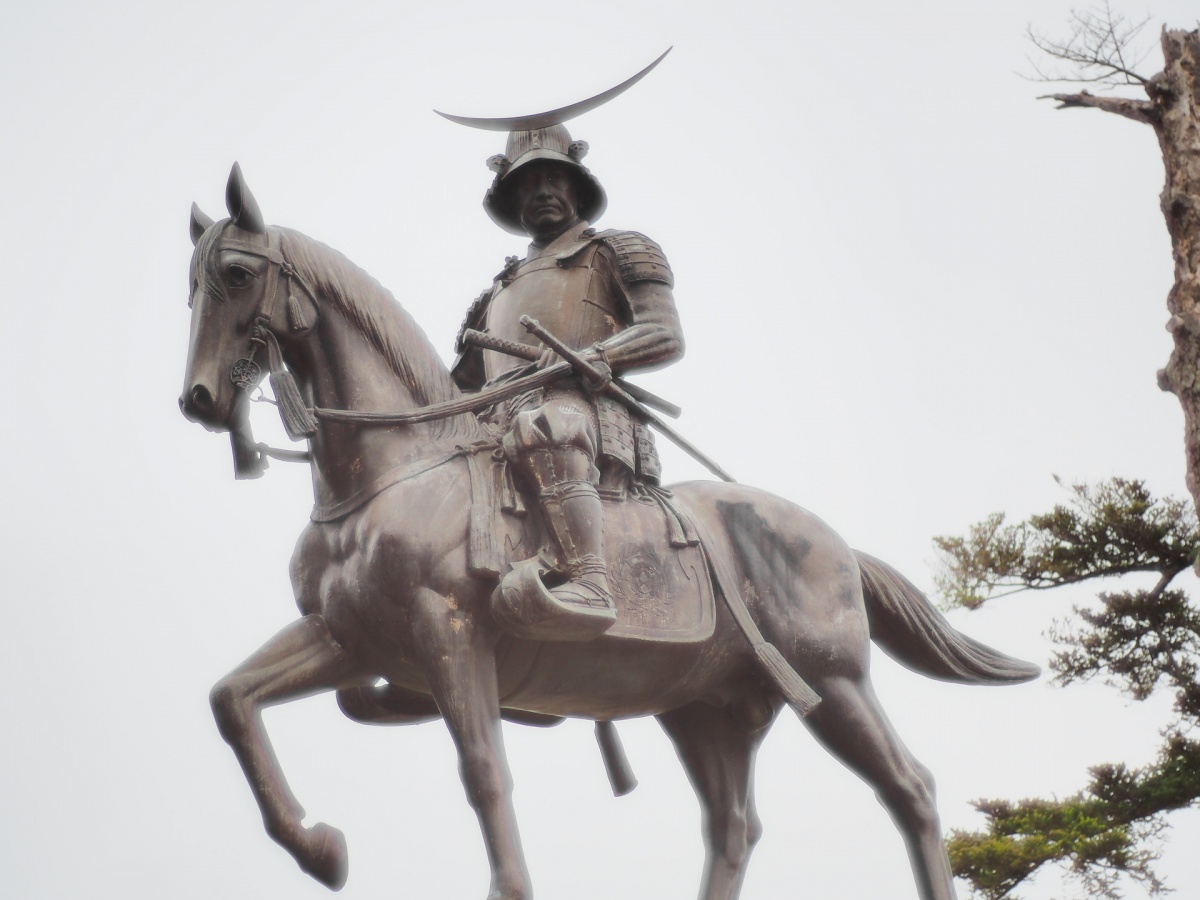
[(525, 351), (614, 390)]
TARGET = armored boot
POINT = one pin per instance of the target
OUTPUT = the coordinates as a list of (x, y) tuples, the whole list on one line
[(566, 598), (575, 521)]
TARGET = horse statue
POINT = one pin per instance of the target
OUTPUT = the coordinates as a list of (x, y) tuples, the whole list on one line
[(397, 619)]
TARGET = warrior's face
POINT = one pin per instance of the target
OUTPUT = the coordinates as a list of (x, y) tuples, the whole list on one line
[(545, 197)]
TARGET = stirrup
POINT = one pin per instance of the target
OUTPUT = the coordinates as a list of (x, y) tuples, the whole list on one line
[(526, 608)]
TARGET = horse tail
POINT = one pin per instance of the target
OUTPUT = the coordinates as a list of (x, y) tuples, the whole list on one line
[(909, 628)]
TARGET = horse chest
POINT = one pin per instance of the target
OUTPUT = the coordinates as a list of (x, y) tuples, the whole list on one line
[(329, 570)]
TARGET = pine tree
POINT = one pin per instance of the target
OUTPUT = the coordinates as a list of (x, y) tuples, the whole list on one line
[(1140, 641)]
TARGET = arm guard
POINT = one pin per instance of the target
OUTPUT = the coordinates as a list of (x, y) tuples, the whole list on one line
[(654, 337)]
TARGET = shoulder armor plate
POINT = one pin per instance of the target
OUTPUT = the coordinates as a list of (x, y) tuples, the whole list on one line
[(638, 257)]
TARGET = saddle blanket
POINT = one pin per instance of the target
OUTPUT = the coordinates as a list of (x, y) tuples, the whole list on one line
[(657, 569), (663, 592)]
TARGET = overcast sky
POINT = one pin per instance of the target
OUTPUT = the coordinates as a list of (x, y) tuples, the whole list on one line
[(912, 294)]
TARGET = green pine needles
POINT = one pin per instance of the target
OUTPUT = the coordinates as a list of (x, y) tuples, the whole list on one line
[(1137, 640)]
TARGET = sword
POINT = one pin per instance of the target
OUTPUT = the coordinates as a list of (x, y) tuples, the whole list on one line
[(595, 376), (531, 354)]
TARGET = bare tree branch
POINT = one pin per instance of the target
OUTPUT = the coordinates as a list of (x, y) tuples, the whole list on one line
[(1100, 50), (1138, 110)]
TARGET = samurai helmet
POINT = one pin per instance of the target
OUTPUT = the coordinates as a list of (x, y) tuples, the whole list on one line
[(542, 136), (551, 144)]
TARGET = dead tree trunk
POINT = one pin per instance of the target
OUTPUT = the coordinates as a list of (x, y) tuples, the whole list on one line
[(1178, 131), (1173, 111)]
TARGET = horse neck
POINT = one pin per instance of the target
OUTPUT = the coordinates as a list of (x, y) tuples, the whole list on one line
[(341, 365)]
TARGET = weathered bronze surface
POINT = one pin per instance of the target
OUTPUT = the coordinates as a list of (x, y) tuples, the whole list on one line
[(516, 557)]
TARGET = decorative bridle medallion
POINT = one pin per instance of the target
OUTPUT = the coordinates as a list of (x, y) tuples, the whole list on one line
[(246, 374)]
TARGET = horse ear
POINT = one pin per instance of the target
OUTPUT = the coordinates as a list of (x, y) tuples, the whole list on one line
[(200, 224), (243, 208)]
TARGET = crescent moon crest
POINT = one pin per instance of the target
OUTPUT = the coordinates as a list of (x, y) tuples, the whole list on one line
[(554, 116)]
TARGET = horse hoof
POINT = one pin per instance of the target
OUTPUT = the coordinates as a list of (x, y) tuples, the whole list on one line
[(326, 859)]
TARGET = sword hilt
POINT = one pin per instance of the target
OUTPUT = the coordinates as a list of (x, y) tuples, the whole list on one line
[(527, 352)]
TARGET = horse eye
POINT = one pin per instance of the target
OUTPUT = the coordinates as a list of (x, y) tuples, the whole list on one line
[(238, 277)]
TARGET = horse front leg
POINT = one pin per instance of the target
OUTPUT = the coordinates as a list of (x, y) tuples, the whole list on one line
[(300, 660), (461, 667)]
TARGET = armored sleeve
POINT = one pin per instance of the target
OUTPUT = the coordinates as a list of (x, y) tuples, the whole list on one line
[(653, 336), (638, 258)]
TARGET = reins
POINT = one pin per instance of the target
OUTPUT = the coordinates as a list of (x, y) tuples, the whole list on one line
[(301, 421), (465, 404)]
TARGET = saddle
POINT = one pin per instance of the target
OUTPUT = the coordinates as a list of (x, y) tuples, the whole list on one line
[(657, 568)]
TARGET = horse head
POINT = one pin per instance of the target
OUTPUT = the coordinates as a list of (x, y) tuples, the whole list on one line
[(228, 282), (236, 289), (260, 297)]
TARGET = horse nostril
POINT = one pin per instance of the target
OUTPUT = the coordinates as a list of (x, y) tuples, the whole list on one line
[(198, 401)]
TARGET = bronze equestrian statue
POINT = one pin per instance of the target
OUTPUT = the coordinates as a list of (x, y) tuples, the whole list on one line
[(423, 566)]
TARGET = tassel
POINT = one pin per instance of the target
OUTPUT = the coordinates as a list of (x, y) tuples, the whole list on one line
[(298, 422), (802, 698), (296, 315)]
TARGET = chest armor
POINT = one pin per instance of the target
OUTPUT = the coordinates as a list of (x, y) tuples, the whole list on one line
[(568, 293)]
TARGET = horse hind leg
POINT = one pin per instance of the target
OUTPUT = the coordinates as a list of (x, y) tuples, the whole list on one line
[(300, 660), (717, 746), (851, 724)]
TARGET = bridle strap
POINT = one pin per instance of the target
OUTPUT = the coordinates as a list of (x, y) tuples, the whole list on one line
[(246, 373)]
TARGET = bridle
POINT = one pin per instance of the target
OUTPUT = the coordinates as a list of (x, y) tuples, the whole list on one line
[(246, 373)]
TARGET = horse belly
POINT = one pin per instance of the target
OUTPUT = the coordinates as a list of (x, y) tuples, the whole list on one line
[(611, 677)]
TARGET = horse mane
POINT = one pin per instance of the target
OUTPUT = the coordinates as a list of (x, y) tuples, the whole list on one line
[(389, 328)]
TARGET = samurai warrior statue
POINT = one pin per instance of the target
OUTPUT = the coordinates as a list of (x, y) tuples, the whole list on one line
[(606, 294)]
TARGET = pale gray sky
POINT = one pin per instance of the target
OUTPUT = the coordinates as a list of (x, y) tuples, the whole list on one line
[(911, 292)]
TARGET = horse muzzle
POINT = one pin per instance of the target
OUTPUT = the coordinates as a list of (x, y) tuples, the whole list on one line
[(199, 405)]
